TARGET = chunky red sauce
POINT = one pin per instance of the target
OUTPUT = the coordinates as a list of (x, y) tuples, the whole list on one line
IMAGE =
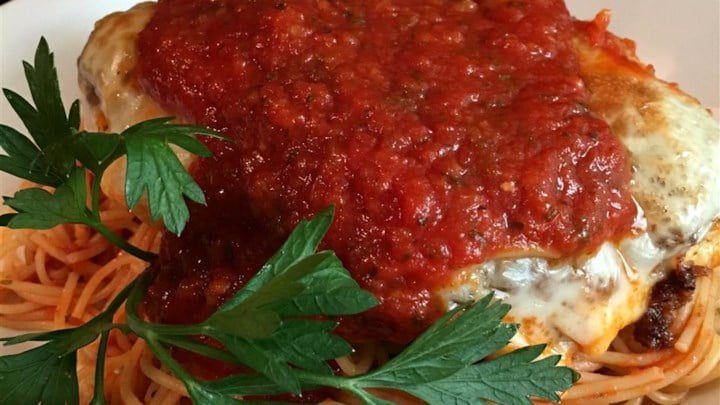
[(445, 133)]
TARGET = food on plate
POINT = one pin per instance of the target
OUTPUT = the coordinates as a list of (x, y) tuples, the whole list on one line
[(472, 153)]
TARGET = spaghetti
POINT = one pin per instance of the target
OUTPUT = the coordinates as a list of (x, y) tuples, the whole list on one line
[(62, 277)]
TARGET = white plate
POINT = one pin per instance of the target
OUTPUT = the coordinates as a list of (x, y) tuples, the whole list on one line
[(682, 40)]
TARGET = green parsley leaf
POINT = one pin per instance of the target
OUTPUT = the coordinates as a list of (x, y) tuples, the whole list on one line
[(297, 281), (203, 395), (40, 209), (22, 158), (443, 365), (74, 116), (6, 218), (96, 151), (44, 375), (42, 79), (510, 379), (253, 354), (302, 242), (307, 345), (329, 291), (513, 378), (461, 337), (255, 317), (153, 166), (249, 384), (47, 123), (288, 285)]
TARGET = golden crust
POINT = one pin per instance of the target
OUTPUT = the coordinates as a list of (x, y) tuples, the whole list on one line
[(617, 80)]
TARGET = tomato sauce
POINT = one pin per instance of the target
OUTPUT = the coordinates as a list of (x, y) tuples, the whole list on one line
[(445, 134)]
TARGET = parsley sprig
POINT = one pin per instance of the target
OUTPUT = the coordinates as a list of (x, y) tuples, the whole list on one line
[(265, 325), (280, 324), (62, 153)]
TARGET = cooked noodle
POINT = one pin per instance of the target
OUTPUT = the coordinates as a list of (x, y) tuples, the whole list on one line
[(62, 277)]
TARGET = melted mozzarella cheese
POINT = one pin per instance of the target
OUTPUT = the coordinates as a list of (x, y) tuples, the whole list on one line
[(111, 98), (587, 299), (672, 141)]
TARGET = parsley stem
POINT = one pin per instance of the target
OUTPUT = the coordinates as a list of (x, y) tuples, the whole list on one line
[(99, 390), (365, 396), (120, 298), (346, 384), (167, 360), (176, 335), (121, 243), (124, 329), (148, 335), (173, 330), (318, 379), (199, 348)]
